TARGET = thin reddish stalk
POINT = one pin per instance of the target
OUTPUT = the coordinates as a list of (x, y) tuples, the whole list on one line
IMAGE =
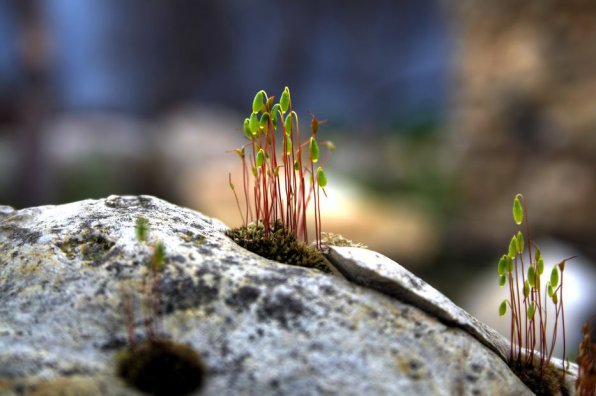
[(513, 306), (519, 329), (129, 318), (554, 339)]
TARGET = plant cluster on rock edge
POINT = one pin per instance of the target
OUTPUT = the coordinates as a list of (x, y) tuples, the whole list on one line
[(282, 178), (521, 269)]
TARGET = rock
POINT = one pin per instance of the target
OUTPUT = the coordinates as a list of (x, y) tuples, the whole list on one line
[(372, 269), (261, 327)]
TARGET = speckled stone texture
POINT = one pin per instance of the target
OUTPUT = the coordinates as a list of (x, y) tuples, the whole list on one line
[(262, 327)]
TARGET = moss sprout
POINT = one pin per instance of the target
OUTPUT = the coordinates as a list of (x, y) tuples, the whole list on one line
[(156, 366), (284, 187), (531, 349)]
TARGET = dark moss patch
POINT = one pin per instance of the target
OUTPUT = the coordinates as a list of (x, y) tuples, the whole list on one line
[(90, 246), (279, 245), (191, 237), (21, 236), (184, 293), (162, 368), (129, 202), (545, 383)]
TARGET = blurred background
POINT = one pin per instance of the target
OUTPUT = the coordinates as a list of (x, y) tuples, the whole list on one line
[(440, 111)]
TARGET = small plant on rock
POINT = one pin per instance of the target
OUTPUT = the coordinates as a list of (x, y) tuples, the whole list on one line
[(282, 175), (521, 269), (157, 366)]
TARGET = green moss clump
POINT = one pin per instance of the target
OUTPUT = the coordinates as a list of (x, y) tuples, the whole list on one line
[(545, 383), (162, 368), (279, 245)]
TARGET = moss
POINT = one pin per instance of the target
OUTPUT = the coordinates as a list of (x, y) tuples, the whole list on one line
[(162, 368), (331, 239), (90, 246), (545, 383), (279, 245), (191, 237)]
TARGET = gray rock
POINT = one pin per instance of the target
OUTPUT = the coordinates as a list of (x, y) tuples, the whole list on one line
[(261, 327), (372, 269)]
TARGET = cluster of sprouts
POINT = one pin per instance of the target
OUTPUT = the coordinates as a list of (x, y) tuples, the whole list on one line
[(281, 174), (521, 270)]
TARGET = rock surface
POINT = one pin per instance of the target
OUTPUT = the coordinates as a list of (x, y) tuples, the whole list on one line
[(261, 327)]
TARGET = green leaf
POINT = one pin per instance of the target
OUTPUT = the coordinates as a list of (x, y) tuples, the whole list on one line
[(537, 253), (549, 289), (501, 266), (509, 264), (296, 165), (313, 148), (246, 128), (321, 178), (532, 276), (513, 247), (288, 146), (554, 277), (288, 124), (258, 103), (540, 266), (520, 242), (502, 280), (531, 310), (503, 308), (284, 101), (253, 124), (142, 229), (555, 298), (518, 211), (274, 114), (260, 158), (526, 289), (264, 121)]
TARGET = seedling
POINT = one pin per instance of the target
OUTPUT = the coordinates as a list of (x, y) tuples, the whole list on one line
[(151, 285), (529, 297), (158, 366), (283, 178)]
